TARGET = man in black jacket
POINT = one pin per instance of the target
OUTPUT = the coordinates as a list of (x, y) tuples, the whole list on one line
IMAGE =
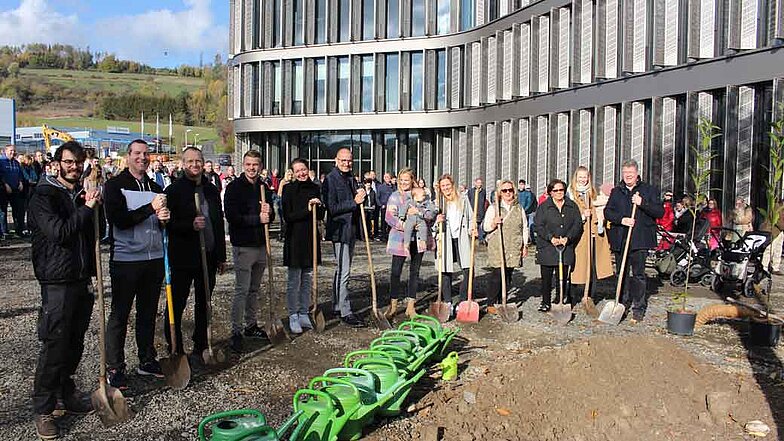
[(633, 191), (211, 176), (184, 250), (246, 217), (343, 200), (135, 208), (63, 245)]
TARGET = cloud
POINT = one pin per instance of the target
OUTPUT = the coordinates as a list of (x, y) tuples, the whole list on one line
[(174, 33), (35, 21)]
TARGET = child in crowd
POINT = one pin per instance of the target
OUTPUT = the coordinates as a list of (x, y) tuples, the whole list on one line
[(414, 227)]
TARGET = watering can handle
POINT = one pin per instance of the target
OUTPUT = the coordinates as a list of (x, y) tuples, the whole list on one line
[(394, 348), (391, 339), (313, 393), (408, 334), (228, 414), (357, 372), (389, 364), (290, 422), (426, 318), (350, 355), (339, 381), (417, 325)]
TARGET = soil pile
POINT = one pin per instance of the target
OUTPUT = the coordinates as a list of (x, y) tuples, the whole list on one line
[(602, 389)]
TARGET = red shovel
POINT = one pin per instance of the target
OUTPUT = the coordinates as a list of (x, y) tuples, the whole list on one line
[(468, 311)]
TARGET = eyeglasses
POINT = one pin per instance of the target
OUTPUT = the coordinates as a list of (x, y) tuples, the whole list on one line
[(70, 162), (558, 190), (507, 190)]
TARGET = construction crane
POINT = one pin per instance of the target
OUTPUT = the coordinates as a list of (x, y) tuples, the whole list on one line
[(50, 133)]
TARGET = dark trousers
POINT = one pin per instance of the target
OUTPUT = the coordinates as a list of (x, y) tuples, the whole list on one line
[(413, 273), (446, 289), (382, 223), (634, 286), (17, 202), (494, 288), (550, 274), (181, 279), (62, 322), (142, 281)]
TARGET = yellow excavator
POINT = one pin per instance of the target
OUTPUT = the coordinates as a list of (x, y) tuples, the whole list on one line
[(50, 133)]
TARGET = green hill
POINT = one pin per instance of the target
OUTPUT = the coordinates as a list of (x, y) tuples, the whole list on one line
[(95, 82)]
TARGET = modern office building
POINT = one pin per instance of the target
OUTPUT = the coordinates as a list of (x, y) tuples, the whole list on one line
[(511, 89)]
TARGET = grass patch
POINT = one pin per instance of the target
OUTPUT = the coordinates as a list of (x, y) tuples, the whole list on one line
[(94, 81)]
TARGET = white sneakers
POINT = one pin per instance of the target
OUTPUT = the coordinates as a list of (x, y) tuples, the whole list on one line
[(298, 322)]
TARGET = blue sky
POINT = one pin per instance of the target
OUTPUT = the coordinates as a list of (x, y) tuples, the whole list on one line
[(159, 33)]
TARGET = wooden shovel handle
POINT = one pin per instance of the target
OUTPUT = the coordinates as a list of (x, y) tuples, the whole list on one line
[(473, 248), (625, 254), (370, 260)]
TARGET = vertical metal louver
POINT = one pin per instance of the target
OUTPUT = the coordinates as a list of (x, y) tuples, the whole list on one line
[(582, 41), (510, 68), (237, 101), (492, 66), (508, 157), (456, 77), (523, 148), (702, 28), (491, 149), (239, 29), (249, 16), (232, 30), (746, 99), (542, 153), (666, 33), (638, 134), (446, 153), (477, 151), (476, 73), (705, 111), (609, 136), (247, 89), (562, 46), (462, 155), (607, 42), (561, 142), (748, 24), (668, 136), (584, 138), (480, 12), (777, 21), (525, 60), (230, 93), (543, 56)]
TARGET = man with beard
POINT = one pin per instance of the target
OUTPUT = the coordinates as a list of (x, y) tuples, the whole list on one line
[(63, 246)]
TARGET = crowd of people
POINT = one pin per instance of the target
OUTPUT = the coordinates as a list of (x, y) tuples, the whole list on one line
[(151, 213)]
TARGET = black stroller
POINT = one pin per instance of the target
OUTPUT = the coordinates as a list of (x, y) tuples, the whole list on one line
[(740, 265), (674, 261)]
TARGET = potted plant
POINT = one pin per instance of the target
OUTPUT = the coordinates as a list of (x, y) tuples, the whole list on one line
[(680, 319), (767, 331)]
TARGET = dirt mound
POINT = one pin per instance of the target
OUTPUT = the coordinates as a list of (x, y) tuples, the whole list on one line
[(601, 389)]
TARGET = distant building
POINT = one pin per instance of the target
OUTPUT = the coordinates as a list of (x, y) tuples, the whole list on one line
[(108, 142), (7, 120)]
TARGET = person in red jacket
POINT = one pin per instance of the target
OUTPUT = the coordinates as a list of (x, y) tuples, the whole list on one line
[(666, 222), (712, 214)]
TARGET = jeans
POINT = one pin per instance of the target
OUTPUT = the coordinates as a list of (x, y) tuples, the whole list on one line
[(298, 290), (142, 281), (17, 202), (634, 292), (494, 288), (548, 272), (446, 288), (344, 252), (413, 273), (249, 263), (181, 279), (62, 322)]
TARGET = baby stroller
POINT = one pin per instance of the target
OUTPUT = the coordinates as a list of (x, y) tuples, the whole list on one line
[(740, 265), (674, 261)]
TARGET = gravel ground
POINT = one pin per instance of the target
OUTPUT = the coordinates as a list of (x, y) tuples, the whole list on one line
[(266, 377)]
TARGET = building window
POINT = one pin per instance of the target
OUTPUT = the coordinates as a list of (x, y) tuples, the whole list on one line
[(466, 14), (412, 147), (343, 85), (441, 79), (277, 29), (393, 18), (276, 87), (368, 67), (296, 88), (392, 83), (492, 13), (417, 18), (368, 19), (320, 98), (417, 81), (299, 30), (443, 25), (344, 24), (321, 21)]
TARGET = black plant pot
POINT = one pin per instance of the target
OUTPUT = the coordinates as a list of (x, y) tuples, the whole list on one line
[(681, 323), (764, 332)]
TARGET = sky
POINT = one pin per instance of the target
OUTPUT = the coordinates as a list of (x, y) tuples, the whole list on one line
[(162, 33)]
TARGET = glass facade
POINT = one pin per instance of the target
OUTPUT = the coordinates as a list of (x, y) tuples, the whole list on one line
[(417, 18), (297, 87), (417, 80), (321, 21), (320, 86), (368, 19), (392, 84), (344, 22), (441, 68), (368, 69), (276, 87), (393, 18), (344, 94), (299, 22), (277, 28), (442, 24), (466, 14)]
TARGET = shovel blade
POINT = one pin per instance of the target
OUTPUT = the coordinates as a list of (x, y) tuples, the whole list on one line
[(562, 314), (381, 320), (590, 307), (612, 313), (213, 356), (177, 371), (440, 311), (111, 406), (508, 313), (468, 312), (276, 333), (319, 322)]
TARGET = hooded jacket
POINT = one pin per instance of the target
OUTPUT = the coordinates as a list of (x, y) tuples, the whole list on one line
[(135, 232), (63, 237)]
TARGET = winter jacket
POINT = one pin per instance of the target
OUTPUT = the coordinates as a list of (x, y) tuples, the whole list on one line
[(383, 192), (134, 229), (620, 206), (601, 258), (338, 191), (184, 250), (11, 172), (298, 245), (667, 221), (215, 180), (396, 217), (527, 201), (514, 231), (481, 207), (467, 223), (551, 222), (242, 205), (63, 237)]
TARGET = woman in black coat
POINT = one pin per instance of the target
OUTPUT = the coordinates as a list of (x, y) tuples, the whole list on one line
[(299, 197), (558, 222)]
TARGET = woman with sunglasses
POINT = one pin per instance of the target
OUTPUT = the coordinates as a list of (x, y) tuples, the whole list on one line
[(515, 237), (558, 223)]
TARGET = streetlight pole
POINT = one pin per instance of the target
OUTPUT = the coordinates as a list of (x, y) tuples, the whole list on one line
[(195, 139), (186, 137)]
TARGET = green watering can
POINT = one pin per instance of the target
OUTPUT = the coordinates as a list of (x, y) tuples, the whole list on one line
[(242, 425)]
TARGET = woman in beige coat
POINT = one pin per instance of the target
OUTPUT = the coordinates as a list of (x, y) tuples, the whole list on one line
[(583, 193)]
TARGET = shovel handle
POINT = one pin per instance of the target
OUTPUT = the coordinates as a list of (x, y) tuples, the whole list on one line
[(374, 297), (270, 303), (623, 260), (473, 248), (205, 273), (169, 297), (314, 282), (501, 244), (99, 288)]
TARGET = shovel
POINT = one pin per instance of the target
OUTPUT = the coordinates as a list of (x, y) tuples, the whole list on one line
[(590, 307), (562, 313), (378, 317), (316, 314), (612, 313), (275, 330), (175, 368), (508, 313), (210, 355), (107, 401), (468, 311), (439, 309)]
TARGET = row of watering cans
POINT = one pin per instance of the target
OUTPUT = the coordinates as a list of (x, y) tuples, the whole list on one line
[(341, 403)]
